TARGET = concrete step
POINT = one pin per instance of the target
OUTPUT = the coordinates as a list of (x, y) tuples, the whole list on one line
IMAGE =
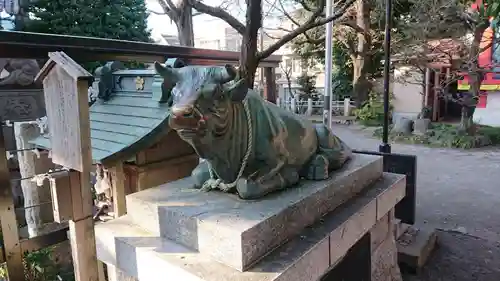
[(306, 257), (236, 232)]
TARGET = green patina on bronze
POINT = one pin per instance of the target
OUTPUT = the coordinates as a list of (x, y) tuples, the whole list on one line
[(247, 144)]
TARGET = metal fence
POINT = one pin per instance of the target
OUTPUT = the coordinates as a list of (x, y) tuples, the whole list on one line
[(315, 107)]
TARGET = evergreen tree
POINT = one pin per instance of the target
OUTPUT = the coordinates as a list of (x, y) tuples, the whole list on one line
[(112, 19), (307, 88)]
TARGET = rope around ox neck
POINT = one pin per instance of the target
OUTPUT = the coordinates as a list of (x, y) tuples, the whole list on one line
[(213, 183)]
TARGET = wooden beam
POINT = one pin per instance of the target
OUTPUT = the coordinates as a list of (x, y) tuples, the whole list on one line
[(36, 46)]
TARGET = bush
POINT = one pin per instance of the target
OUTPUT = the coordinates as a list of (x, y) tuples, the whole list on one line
[(40, 266), (371, 112), (490, 132), (447, 135)]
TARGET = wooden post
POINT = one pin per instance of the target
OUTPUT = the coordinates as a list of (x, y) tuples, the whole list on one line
[(65, 86), (8, 221), (270, 84), (118, 184), (427, 87), (435, 100), (60, 189), (448, 77)]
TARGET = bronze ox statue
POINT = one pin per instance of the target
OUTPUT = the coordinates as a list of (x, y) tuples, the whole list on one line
[(245, 143)]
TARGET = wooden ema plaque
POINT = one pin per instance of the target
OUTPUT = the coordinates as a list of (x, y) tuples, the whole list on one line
[(65, 85)]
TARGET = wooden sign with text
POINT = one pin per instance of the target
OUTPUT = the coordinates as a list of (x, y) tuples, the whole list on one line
[(65, 85)]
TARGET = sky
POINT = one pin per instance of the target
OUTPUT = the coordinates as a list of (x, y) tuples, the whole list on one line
[(203, 24), (161, 24)]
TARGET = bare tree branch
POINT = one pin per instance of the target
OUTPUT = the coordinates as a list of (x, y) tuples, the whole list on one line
[(312, 22), (219, 13), (169, 9), (156, 12)]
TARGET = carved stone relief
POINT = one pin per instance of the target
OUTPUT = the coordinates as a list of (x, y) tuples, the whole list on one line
[(20, 105), (20, 71)]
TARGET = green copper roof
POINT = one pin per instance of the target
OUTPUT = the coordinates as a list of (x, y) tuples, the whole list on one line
[(128, 120)]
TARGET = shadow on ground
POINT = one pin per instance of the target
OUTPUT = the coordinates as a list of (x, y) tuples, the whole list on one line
[(461, 257)]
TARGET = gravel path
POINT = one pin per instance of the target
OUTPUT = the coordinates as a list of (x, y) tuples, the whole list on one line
[(456, 189)]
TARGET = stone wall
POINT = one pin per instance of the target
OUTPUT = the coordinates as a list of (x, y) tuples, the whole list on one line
[(384, 252)]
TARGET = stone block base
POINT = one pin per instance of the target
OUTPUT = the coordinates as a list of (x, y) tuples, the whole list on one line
[(239, 233), (384, 260), (361, 229)]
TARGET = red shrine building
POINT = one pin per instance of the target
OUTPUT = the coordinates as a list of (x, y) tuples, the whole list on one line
[(488, 107)]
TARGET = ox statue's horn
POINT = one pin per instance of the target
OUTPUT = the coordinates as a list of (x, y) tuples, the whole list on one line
[(166, 72), (227, 74)]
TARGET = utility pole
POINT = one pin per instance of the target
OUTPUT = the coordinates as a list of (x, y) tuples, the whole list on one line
[(327, 116), (385, 146)]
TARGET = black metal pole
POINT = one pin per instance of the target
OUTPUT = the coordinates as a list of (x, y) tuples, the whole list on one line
[(385, 146)]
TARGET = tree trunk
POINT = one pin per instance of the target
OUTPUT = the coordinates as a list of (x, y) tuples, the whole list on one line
[(21, 18), (184, 25), (360, 83), (476, 76), (248, 55)]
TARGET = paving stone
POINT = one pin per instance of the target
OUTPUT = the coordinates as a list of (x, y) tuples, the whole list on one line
[(415, 246)]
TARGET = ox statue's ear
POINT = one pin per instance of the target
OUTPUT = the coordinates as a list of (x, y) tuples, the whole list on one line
[(226, 74), (166, 72), (237, 91)]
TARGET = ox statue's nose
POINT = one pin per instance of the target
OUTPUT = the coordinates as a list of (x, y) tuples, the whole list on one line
[(182, 111)]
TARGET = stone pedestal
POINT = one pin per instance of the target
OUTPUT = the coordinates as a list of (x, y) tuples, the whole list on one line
[(384, 262), (300, 234)]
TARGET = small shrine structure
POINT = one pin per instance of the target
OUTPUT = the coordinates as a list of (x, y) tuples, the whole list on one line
[(132, 146)]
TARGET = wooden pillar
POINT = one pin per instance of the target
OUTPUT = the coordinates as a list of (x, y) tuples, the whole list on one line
[(10, 231), (427, 87), (435, 101), (82, 236), (118, 185), (270, 90), (448, 77)]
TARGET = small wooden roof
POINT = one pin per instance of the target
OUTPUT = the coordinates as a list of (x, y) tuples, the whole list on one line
[(127, 123), (68, 64)]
